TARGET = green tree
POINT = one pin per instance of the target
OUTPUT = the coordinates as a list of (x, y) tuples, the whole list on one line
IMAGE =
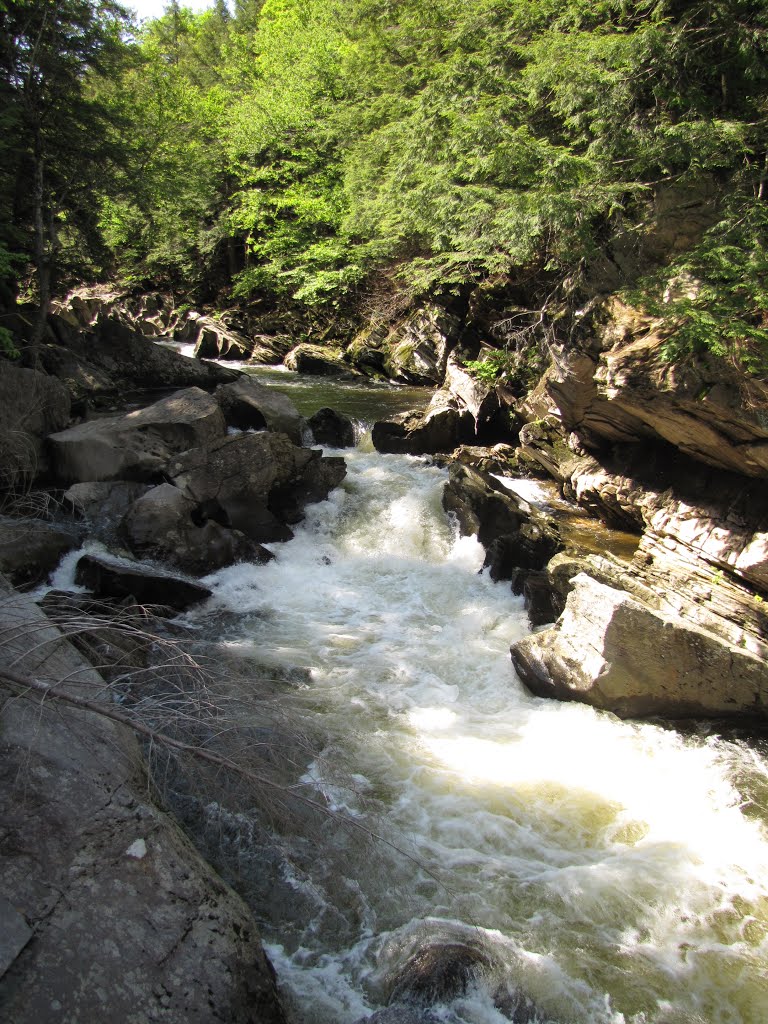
[(57, 142)]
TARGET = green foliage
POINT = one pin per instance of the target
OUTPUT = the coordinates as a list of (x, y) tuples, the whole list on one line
[(715, 297)]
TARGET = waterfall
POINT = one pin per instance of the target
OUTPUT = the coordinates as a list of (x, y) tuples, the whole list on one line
[(611, 871)]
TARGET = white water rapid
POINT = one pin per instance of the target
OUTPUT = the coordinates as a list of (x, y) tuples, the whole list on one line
[(614, 872)]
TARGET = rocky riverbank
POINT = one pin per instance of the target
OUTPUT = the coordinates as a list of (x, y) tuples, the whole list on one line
[(674, 454), (108, 910)]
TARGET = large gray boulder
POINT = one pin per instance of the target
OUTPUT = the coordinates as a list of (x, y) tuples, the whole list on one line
[(108, 911), (138, 445), (168, 526), (259, 482), (249, 405), (113, 352), (616, 652)]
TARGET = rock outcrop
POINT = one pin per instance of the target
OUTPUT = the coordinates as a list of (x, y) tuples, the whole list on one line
[(412, 351), (108, 911), (614, 652), (676, 454)]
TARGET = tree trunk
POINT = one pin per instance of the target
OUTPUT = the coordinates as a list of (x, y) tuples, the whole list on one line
[(40, 252)]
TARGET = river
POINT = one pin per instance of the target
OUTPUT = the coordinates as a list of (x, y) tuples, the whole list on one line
[(612, 871)]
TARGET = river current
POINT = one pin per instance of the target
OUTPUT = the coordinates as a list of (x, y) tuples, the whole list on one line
[(612, 871)]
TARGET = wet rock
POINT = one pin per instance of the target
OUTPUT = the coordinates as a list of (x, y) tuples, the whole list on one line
[(516, 535), (249, 405), (136, 446), (442, 428), (30, 549), (332, 428), (152, 933), (439, 973), (139, 583), (261, 482), (316, 361), (169, 526), (114, 353), (614, 651), (400, 1015)]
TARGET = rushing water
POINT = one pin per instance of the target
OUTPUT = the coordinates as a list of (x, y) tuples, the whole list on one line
[(614, 872)]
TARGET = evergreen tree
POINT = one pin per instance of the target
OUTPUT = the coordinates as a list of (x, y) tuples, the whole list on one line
[(56, 146)]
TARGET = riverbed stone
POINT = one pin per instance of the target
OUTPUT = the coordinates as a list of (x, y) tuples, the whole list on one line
[(139, 583), (332, 428), (249, 405), (138, 445), (128, 921), (169, 526), (613, 651)]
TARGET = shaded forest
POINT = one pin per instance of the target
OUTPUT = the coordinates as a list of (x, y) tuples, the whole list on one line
[(347, 158)]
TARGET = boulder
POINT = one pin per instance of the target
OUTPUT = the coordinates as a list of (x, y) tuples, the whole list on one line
[(32, 405), (316, 361), (332, 428), (136, 446), (439, 973), (613, 651), (31, 549), (494, 421), (112, 350), (103, 503), (118, 580), (518, 537), (442, 428), (259, 482), (167, 525), (249, 405), (112, 913)]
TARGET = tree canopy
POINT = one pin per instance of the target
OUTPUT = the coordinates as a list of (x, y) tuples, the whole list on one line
[(307, 150)]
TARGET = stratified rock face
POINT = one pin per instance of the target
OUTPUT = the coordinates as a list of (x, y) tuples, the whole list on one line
[(249, 405), (115, 916), (625, 391), (613, 651), (137, 446), (416, 352), (413, 351)]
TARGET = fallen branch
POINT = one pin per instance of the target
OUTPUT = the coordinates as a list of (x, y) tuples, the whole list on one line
[(30, 688)]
